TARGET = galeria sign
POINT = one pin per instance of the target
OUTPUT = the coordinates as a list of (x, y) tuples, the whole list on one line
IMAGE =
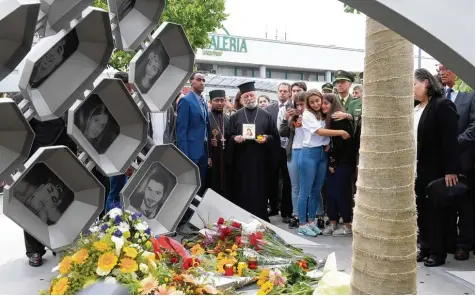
[(227, 43)]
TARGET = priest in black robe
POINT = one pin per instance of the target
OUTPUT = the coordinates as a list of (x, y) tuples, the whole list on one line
[(250, 154), (219, 122)]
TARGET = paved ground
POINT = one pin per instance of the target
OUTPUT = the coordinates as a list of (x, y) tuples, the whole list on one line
[(17, 277)]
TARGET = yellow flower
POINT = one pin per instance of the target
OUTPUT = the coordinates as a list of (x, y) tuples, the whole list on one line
[(65, 265), (151, 263), (241, 266), (128, 265), (220, 256), (197, 250), (60, 287), (80, 256), (234, 247), (265, 288), (147, 285), (130, 252), (101, 246), (221, 263), (263, 277), (148, 244), (107, 261), (126, 234)]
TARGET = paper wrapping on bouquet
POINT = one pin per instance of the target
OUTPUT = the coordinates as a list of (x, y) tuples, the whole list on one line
[(134, 20), (104, 288), (17, 28), (60, 68), (162, 188), (109, 126), (160, 71), (54, 198), (226, 282), (16, 138)]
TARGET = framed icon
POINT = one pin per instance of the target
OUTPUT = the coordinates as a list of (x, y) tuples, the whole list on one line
[(249, 131)]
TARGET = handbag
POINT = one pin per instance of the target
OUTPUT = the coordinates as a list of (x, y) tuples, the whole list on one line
[(444, 196)]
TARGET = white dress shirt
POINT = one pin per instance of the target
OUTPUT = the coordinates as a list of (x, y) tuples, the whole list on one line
[(310, 126), (159, 122)]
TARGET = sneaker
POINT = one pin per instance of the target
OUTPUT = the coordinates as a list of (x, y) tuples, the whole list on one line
[(343, 231), (293, 223), (329, 229), (306, 231), (314, 228), (35, 260)]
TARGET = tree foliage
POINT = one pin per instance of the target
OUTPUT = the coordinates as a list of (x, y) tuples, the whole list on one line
[(349, 9), (461, 86), (198, 18)]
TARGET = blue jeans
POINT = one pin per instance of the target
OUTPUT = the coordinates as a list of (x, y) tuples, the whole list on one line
[(294, 176), (312, 174), (339, 192), (113, 199)]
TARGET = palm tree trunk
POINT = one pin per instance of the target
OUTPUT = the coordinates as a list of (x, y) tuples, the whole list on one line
[(384, 228)]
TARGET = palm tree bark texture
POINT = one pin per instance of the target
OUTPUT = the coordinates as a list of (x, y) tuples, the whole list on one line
[(384, 245)]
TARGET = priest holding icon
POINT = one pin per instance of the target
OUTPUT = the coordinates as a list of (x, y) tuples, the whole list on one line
[(251, 143)]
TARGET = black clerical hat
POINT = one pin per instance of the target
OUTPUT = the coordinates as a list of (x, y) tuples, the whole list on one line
[(328, 87), (343, 75), (217, 93), (247, 87)]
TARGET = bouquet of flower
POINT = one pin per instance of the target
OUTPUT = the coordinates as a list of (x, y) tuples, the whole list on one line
[(118, 248)]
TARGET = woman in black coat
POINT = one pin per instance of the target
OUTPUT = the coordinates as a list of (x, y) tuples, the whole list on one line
[(436, 131)]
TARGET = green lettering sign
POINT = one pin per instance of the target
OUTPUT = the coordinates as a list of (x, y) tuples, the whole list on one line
[(228, 43)]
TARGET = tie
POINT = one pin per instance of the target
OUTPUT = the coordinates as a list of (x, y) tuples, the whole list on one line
[(448, 93), (282, 105)]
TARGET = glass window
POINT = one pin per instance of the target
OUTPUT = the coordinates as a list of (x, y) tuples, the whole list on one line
[(294, 76), (225, 70), (278, 74), (321, 77)]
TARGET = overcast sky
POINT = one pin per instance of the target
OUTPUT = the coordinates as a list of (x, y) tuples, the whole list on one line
[(308, 21)]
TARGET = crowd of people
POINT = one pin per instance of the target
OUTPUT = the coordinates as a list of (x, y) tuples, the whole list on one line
[(298, 157)]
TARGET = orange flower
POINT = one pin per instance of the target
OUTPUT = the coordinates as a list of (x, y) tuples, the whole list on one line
[(65, 265), (164, 290), (101, 246), (147, 285), (80, 256), (130, 252), (128, 265), (60, 287)]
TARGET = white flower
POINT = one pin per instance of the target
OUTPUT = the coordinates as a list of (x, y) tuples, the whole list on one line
[(144, 268), (116, 272), (123, 227), (147, 254), (134, 275), (101, 272), (94, 229), (110, 280), (142, 226), (114, 213), (119, 242), (101, 235), (55, 269)]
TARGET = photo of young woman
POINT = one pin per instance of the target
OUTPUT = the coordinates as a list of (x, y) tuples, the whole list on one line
[(97, 124), (44, 194), (150, 65)]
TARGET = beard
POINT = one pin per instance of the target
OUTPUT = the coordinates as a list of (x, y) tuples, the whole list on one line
[(251, 105)]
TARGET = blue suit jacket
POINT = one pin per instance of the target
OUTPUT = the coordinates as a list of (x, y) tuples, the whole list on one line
[(191, 127)]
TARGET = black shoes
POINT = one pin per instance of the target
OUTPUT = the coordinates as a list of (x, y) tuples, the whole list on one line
[(35, 260), (320, 223), (461, 255), (293, 223), (423, 255), (286, 220), (434, 261)]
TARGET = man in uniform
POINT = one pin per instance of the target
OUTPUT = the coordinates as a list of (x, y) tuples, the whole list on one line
[(218, 124), (343, 81), (328, 88), (250, 161)]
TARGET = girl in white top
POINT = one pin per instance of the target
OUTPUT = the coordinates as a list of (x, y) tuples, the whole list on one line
[(313, 163)]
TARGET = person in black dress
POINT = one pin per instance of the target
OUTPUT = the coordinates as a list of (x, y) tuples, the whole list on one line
[(250, 162), (342, 160), (436, 131), (218, 123)]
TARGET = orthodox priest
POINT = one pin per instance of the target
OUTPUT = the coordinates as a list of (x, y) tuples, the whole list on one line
[(218, 124), (251, 145)]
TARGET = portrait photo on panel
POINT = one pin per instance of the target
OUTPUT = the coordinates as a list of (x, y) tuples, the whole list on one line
[(44, 194), (124, 7), (150, 65), (54, 58), (153, 190), (96, 123)]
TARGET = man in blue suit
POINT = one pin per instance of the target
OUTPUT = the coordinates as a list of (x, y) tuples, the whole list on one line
[(193, 127), (465, 106)]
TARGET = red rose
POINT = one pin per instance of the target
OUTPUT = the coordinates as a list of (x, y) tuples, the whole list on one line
[(220, 221), (190, 262), (238, 240), (236, 224), (173, 260), (225, 231)]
